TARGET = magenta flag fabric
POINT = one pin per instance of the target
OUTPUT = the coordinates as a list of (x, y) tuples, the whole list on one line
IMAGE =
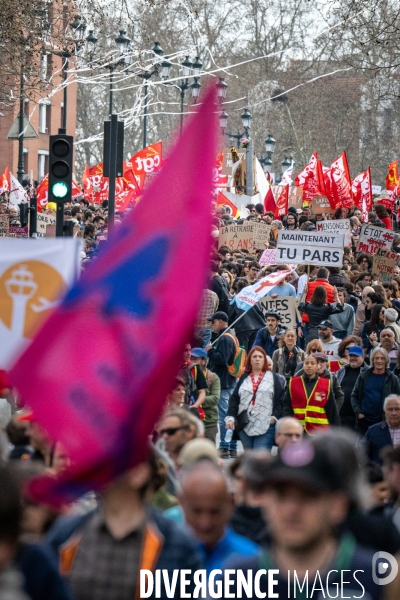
[(98, 372)]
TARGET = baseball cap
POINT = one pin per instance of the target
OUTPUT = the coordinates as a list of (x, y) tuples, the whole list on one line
[(196, 450), (320, 356), (311, 228), (219, 315), (325, 325), (301, 464), (273, 313), (198, 353), (356, 350)]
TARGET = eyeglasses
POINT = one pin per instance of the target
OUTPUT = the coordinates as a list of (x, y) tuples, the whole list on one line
[(253, 210), (314, 350), (170, 430)]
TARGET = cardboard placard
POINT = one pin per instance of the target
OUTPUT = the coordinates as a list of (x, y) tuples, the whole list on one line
[(306, 248), (227, 162), (320, 204), (237, 237), (373, 238), (43, 220), (337, 227), (50, 231), (295, 196), (268, 257), (4, 224), (261, 232), (286, 306), (383, 264)]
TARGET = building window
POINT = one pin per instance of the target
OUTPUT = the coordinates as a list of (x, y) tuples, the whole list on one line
[(43, 67), (43, 163), (44, 116)]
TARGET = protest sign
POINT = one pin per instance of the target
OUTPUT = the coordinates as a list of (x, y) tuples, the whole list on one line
[(250, 295), (383, 264), (261, 232), (295, 196), (4, 224), (237, 237), (372, 238), (227, 162), (268, 257), (337, 227), (32, 279), (43, 220), (286, 306), (18, 232), (320, 204), (305, 248)]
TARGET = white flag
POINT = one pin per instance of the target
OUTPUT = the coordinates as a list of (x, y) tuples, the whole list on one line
[(250, 295), (17, 192)]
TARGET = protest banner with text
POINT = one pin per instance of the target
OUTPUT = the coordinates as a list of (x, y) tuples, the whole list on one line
[(320, 204), (286, 306), (43, 220), (237, 237), (261, 232), (373, 238), (383, 264), (303, 248), (337, 227)]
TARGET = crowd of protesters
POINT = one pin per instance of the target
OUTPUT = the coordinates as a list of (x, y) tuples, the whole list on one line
[(291, 462)]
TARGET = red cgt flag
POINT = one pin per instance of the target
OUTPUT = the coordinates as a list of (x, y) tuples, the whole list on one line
[(361, 190), (281, 202), (338, 183), (392, 178), (311, 178), (222, 200)]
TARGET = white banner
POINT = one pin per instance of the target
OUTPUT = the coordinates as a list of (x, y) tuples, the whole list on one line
[(33, 278), (337, 227), (303, 248), (373, 238)]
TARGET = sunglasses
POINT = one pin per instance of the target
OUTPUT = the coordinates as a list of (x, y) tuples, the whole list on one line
[(314, 350), (170, 430)]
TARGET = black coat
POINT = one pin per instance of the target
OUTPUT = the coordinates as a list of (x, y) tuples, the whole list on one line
[(220, 356), (391, 386), (377, 437), (217, 285), (253, 319)]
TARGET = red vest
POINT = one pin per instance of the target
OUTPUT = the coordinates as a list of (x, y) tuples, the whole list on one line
[(310, 410), (311, 287)]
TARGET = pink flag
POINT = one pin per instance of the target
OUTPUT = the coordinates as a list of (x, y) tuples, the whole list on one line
[(136, 312)]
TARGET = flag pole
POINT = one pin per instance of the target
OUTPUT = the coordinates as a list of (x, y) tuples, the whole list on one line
[(234, 323)]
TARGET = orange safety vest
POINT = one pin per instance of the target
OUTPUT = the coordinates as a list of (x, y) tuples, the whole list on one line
[(310, 410)]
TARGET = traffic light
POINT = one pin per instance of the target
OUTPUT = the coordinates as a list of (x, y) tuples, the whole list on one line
[(60, 168)]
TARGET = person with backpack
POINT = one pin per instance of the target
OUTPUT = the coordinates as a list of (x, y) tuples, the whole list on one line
[(225, 359), (195, 383), (213, 393), (257, 403), (268, 337)]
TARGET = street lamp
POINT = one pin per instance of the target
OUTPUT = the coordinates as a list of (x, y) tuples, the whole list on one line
[(286, 163), (246, 120), (223, 120), (221, 90), (270, 145), (122, 42), (267, 165)]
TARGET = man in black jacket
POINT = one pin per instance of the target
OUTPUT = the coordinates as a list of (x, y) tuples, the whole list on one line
[(220, 356), (386, 433), (347, 377), (372, 387), (247, 327), (217, 285)]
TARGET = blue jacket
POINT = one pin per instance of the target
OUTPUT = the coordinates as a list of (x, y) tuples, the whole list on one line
[(376, 438), (232, 546), (263, 339)]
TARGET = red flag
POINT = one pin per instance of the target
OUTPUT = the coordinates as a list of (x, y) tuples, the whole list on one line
[(76, 191), (87, 184), (148, 160), (42, 193), (282, 201), (311, 179), (5, 184), (338, 183), (361, 191), (392, 178), (103, 408), (222, 200)]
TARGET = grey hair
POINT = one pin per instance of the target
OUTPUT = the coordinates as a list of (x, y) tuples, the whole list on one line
[(390, 397), (279, 224), (379, 350), (283, 420), (391, 315)]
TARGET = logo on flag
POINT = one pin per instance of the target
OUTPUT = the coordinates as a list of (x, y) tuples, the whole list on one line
[(250, 295)]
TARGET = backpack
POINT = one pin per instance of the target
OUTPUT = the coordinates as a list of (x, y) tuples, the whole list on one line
[(236, 369)]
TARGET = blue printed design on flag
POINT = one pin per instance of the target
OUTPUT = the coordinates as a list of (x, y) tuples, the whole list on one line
[(123, 285)]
